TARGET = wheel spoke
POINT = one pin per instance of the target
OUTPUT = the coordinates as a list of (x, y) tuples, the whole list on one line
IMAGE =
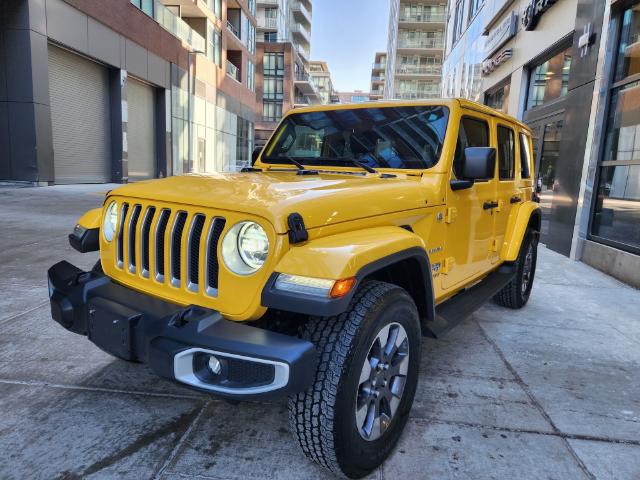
[(365, 374), (383, 337), (397, 386)]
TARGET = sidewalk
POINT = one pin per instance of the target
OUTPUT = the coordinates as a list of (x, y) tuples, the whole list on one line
[(550, 391)]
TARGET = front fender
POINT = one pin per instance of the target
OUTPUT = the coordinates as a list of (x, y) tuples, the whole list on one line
[(91, 219), (348, 255), (519, 221), (345, 254)]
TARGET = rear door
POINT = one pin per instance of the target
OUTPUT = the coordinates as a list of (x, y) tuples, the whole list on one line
[(508, 193), (469, 225)]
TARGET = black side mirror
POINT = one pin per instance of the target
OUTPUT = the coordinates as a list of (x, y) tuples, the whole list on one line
[(478, 163), (255, 154)]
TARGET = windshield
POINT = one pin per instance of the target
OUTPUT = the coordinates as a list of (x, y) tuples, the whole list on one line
[(384, 137)]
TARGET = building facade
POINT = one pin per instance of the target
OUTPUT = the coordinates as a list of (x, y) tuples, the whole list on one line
[(118, 91), (414, 49), (566, 68), (357, 96), (283, 77), (378, 72), (321, 76)]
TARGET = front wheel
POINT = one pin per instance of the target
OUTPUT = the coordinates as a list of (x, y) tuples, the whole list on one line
[(352, 416)]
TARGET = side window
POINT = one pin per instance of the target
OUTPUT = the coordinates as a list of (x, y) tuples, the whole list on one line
[(473, 133), (525, 156), (506, 153)]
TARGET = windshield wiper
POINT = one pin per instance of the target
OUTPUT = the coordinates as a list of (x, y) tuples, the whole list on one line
[(301, 169), (358, 163)]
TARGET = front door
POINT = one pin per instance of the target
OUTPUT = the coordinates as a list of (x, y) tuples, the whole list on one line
[(469, 229)]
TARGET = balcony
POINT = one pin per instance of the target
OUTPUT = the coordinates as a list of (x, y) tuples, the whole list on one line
[(233, 72), (178, 27), (421, 44), (423, 19), (300, 12), (267, 23), (377, 78), (307, 87), (379, 66), (268, 3), (410, 70), (420, 94), (300, 32), (233, 29)]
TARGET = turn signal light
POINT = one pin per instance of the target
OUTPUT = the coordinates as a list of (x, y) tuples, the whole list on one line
[(342, 287)]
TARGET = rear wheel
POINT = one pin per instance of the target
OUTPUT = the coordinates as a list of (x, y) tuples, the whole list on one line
[(352, 416), (516, 293)]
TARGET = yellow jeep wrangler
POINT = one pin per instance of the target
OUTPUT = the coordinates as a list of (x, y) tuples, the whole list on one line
[(315, 273)]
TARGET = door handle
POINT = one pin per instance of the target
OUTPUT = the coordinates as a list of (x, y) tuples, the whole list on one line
[(489, 205), (515, 199)]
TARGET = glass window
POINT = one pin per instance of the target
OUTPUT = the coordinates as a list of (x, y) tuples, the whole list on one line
[(251, 76), (274, 64), (506, 153), (473, 133), (525, 156), (457, 26), (271, 37), (498, 98), (550, 80), (617, 209), (271, 111), (390, 137), (215, 6), (474, 7), (252, 7), (273, 88), (214, 44)]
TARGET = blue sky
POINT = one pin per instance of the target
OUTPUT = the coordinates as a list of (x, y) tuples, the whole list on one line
[(346, 34)]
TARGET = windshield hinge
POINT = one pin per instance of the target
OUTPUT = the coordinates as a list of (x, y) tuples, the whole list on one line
[(297, 231)]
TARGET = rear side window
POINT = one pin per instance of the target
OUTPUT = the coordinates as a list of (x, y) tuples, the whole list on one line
[(473, 133), (525, 156), (506, 153)]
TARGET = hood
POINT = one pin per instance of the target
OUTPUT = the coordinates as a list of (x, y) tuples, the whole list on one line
[(321, 199)]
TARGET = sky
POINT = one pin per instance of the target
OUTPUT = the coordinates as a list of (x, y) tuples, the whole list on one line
[(346, 34)]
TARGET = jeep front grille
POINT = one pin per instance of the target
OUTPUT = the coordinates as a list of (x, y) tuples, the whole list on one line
[(147, 234)]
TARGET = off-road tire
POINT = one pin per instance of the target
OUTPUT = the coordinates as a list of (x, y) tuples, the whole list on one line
[(515, 295), (323, 416)]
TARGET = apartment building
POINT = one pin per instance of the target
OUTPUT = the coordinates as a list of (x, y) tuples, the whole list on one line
[(123, 90), (378, 72), (415, 48), (321, 76), (283, 48)]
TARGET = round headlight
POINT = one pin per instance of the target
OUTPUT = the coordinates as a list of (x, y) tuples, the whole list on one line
[(245, 248), (110, 221)]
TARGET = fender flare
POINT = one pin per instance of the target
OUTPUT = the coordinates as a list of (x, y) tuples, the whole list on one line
[(372, 250), (519, 220)]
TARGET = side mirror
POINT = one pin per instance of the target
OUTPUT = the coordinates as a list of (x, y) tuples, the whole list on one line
[(478, 163), (255, 154)]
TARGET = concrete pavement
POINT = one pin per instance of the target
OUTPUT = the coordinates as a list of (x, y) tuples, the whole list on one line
[(550, 391)]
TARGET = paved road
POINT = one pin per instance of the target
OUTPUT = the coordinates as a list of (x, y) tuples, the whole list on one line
[(551, 391)]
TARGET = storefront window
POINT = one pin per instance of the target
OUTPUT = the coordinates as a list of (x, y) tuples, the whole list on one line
[(617, 210), (498, 98), (550, 80)]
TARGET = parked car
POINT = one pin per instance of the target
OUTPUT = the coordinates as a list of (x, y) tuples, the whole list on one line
[(315, 273)]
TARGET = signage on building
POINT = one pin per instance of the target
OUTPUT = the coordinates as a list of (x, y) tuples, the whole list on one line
[(534, 11), (491, 64), (500, 35)]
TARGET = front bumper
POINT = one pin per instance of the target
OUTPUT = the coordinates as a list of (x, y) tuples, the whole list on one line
[(178, 343)]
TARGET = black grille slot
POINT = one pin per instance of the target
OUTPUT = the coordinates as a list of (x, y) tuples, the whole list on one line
[(213, 266), (133, 224), (195, 238), (120, 241), (144, 239), (160, 236), (176, 243)]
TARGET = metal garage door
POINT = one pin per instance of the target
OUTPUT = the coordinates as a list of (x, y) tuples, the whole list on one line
[(141, 130), (80, 118)]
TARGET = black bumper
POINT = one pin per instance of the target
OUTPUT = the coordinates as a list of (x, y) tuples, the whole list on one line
[(176, 342)]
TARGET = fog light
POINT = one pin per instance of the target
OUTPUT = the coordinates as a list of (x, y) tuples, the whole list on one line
[(214, 365)]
